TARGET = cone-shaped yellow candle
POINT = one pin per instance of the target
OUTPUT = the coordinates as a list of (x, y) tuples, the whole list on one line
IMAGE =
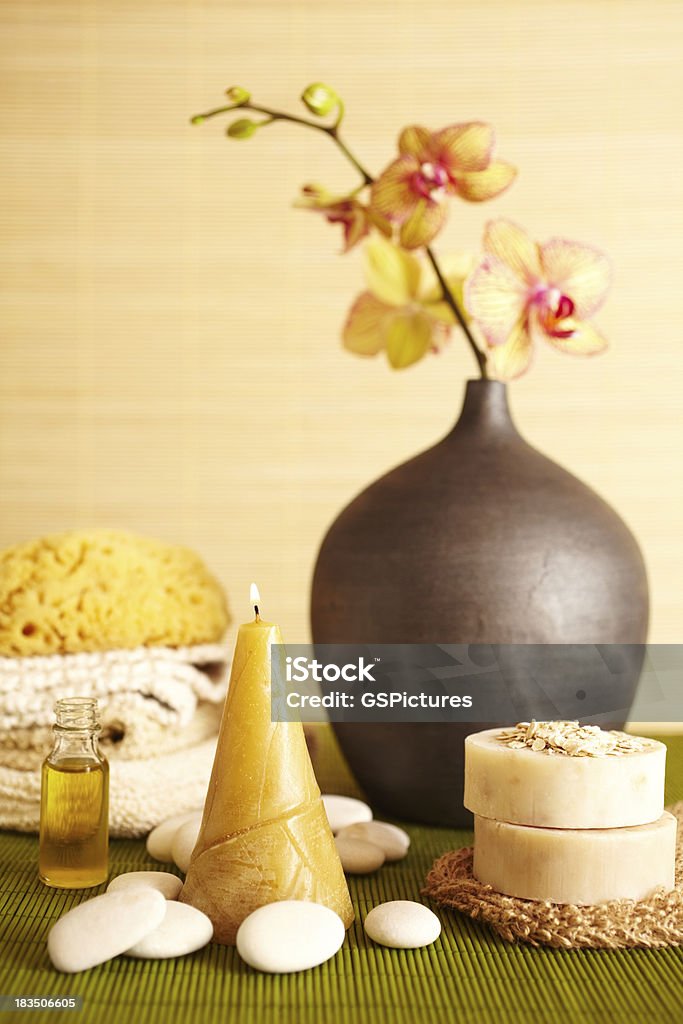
[(264, 835)]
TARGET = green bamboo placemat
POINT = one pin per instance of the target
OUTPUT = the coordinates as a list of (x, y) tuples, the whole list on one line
[(468, 975)]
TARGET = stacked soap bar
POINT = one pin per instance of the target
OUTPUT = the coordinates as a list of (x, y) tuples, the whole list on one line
[(569, 813)]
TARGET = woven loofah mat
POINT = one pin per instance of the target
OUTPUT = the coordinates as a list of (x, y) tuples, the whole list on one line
[(620, 924)]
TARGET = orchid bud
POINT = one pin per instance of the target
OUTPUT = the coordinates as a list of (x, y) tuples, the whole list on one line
[(243, 129), (237, 94), (320, 99)]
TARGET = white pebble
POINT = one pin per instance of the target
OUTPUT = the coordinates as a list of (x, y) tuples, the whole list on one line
[(184, 842), (103, 927), (357, 856), (163, 881), (343, 811), (291, 935), (160, 839), (390, 838), (183, 930), (402, 924)]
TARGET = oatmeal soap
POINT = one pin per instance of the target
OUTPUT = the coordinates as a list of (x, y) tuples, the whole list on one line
[(564, 775), (579, 866)]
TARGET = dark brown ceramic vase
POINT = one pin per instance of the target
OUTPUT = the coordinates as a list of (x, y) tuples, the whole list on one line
[(480, 539)]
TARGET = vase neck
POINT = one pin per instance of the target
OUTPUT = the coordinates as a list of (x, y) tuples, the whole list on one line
[(485, 409)]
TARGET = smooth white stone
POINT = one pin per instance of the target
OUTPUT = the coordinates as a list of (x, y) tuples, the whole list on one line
[(183, 930), (184, 842), (402, 924), (357, 856), (390, 838), (163, 881), (103, 927), (291, 935), (343, 811), (160, 839)]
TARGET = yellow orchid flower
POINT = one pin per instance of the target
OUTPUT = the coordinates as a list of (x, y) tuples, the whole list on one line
[(403, 312), (432, 166), (522, 292), (354, 216)]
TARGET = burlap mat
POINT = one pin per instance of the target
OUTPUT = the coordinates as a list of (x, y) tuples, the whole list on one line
[(620, 924)]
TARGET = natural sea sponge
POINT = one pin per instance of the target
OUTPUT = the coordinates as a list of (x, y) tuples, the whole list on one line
[(94, 590)]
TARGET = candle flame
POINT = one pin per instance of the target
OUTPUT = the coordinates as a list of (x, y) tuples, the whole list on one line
[(254, 596)]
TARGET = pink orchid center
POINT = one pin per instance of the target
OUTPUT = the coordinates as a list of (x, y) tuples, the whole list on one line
[(553, 307), (429, 180), (342, 212)]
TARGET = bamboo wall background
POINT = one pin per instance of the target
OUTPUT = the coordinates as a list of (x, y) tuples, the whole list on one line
[(170, 357)]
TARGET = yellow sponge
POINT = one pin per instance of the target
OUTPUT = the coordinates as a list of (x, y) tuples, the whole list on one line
[(94, 590)]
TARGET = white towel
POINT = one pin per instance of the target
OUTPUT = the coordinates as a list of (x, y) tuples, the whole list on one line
[(147, 698), (159, 710), (141, 793)]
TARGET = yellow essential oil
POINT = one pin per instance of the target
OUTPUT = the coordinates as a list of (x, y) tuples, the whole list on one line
[(74, 804)]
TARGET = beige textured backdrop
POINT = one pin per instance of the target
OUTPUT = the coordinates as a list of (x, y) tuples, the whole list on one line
[(170, 356)]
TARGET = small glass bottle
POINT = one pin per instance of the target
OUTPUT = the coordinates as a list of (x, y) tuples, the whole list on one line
[(74, 801)]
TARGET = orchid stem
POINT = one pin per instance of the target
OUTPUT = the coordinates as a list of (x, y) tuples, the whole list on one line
[(279, 115), (458, 313), (367, 178), (333, 132)]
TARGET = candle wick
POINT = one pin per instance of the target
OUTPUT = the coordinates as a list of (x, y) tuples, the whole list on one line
[(257, 612)]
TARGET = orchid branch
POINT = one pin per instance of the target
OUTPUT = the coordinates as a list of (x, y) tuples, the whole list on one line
[(450, 300), (332, 131)]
